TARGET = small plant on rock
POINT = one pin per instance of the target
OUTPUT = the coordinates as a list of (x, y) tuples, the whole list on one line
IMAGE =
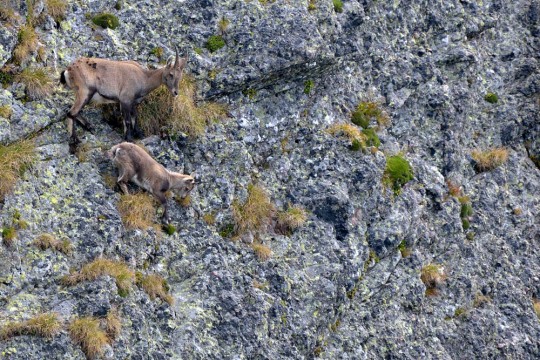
[(490, 159), (155, 286), (398, 172), (113, 324), (88, 334), (45, 325), (338, 6), (160, 111), (262, 251), (223, 24), (57, 9), (536, 307), (432, 275), (308, 86), (123, 275), (27, 42), (106, 20), (137, 210), (48, 241), (367, 111), (255, 212), (352, 133), (491, 98), (214, 43), (37, 82), (5, 111), (372, 139), (291, 219)]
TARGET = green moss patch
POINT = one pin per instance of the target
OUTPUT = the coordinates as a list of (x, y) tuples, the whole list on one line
[(106, 20), (398, 172), (214, 43)]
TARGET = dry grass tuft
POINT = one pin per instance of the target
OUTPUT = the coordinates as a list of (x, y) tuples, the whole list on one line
[(6, 111), (57, 9), (185, 201), (351, 132), (137, 210), (82, 152), (112, 324), (48, 241), (14, 160), (255, 213), (291, 219), (27, 43), (432, 275), (123, 275), (45, 325), (87, 333), (489, 159), (160, 110), (536, 306), (210, 218), (453, 188), (7, 13), (263, 252), (156, 287), (37, 82)]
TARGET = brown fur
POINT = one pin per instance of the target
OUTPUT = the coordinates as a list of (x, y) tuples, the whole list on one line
[(135, 165), (124, 82)]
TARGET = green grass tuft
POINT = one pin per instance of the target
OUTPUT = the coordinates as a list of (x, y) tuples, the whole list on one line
[(338, 6)]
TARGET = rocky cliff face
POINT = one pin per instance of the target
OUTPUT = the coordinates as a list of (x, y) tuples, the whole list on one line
[(347, 284)]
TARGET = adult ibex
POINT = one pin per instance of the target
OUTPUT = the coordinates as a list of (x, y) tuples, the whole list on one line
[(135, 165), (107, 81)]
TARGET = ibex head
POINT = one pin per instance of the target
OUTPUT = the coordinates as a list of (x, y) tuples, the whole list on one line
[(173, 73)]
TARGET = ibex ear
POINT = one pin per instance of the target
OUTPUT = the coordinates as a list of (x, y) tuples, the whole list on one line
[(170, 61), (181, 63)]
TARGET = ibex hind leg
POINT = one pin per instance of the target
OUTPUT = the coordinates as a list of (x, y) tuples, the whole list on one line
[(126, 113), (135, 125)]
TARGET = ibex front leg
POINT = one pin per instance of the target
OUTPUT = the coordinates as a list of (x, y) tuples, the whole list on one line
[(81, 99), (126, 113)]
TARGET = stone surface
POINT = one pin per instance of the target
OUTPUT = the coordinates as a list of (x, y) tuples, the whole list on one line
[(338, 287)]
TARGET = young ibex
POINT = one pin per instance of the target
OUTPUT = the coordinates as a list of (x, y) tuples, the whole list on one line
[(135, 165), (107, 81)]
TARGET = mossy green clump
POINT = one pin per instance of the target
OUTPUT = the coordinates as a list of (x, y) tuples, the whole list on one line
[(157, 52), (403, 249), (311, 5), (308, 86), (338, 6), (356, 145), (372, 139), (227, 230), (250, 93), (491, 98), (367, 111), (398, 172), (214, 43), (6, 78), (466, 210), (169, 229), (106, 21), (466, 224), (9, 234)]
